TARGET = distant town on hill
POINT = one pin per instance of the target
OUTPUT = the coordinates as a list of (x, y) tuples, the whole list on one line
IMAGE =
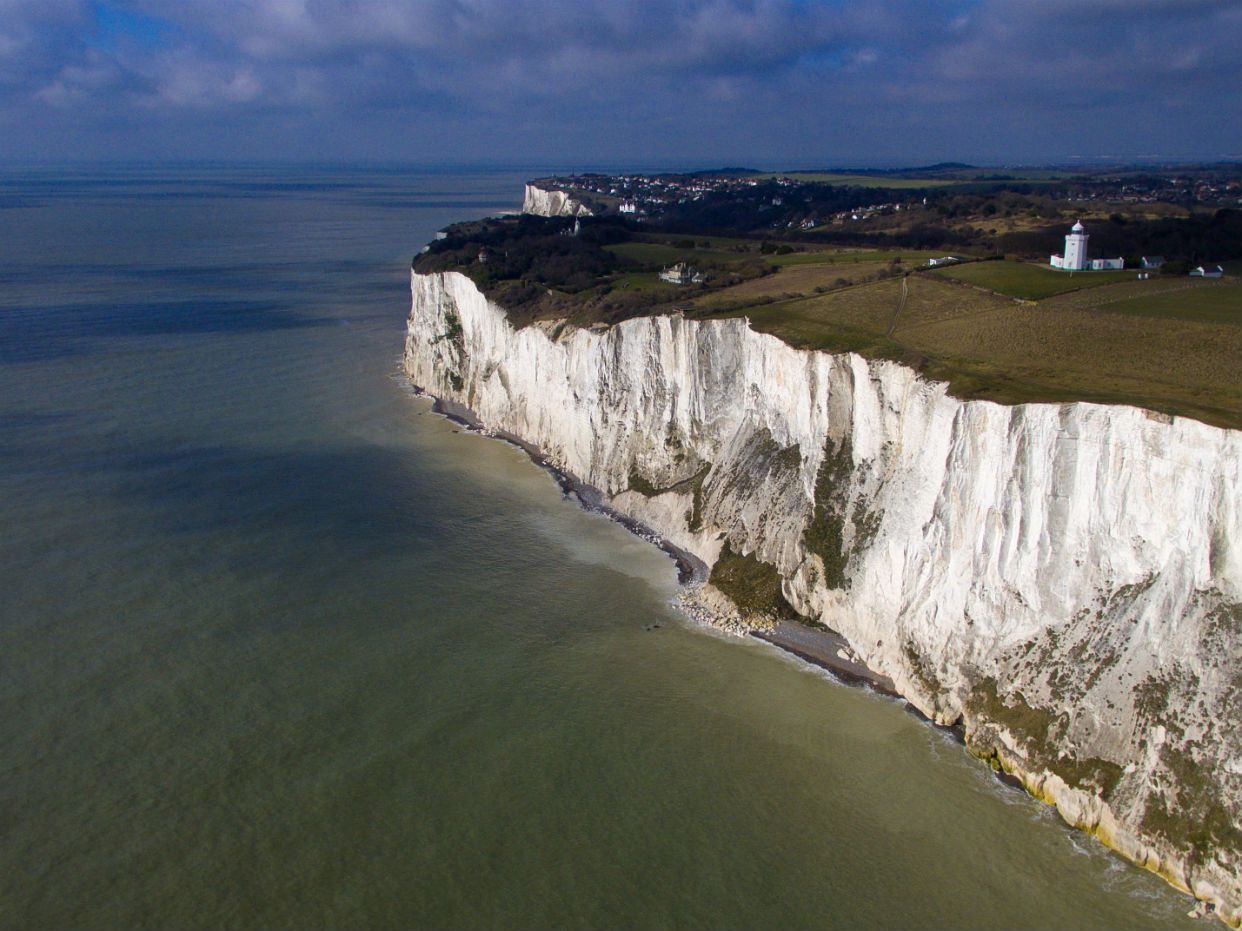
[(941, 206), (1115, 286)]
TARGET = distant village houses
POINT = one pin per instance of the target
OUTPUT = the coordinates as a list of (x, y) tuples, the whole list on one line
[(1074, 259), (681, 273), (1207, 271)]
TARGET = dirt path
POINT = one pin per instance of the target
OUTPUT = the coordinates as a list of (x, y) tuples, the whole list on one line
[(905, 293)]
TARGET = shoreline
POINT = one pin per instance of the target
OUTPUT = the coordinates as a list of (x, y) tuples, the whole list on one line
[(818, 647), (690, 569)]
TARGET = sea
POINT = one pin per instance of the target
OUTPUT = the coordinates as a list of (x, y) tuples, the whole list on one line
[(282, 648)]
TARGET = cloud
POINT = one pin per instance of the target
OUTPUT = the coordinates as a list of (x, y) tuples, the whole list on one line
[(36, 38), (690, 79)]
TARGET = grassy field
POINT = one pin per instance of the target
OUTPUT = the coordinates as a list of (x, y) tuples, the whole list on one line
[(792, 282), (1017, 174), (654, 253), (946, 179), (1167, 346), (714, 242), (829, 256), (722, 250), (806, 274), (1027, 281), (1216, 302), (877, 181), (643, 281)]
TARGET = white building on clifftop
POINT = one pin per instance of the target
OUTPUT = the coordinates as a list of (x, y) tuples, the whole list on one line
[(681, 273), (1075, 257)]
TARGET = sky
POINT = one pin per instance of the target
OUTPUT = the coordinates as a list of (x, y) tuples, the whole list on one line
[(587, 83)]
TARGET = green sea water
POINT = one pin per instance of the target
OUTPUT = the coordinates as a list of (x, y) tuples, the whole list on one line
[(279, 648)]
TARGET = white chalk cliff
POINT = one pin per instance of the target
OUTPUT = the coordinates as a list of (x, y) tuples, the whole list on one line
[(545, 203), (1064, 580)]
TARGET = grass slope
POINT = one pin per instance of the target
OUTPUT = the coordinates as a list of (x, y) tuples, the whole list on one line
[(1027, 281), (1169, 345)]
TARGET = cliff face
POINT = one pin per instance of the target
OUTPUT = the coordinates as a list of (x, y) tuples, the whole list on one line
[(1064, 580), (545, 203)]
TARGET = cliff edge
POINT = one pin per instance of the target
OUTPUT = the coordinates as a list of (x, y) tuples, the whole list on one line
[(1063, 580), (551, 203)]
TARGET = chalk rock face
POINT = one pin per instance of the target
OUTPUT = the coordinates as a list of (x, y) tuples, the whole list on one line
[(546, 203), (1063, 579)]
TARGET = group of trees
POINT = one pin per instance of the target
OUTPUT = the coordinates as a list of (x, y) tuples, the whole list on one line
[(542, 267), (534, 251), (1183, 241), (521, 261)]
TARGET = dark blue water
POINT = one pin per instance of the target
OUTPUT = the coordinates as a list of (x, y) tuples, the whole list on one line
[(279, 648)]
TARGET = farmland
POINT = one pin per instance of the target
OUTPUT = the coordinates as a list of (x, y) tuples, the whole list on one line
[(870, 181), (1171, 347), (1028, 281), (658, 253)]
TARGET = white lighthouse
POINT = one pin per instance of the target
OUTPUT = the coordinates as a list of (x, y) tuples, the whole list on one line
[(1076, 248), (1075, 258)]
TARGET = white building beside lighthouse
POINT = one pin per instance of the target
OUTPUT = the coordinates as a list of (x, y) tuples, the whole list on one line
[(1075, 257)]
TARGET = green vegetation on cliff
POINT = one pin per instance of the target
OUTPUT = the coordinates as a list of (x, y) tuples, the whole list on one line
[(694, 484), (1191, 814), (1039, 732), (751, 584), (825, 532)]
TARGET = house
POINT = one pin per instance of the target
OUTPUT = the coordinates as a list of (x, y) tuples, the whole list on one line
[(1207, 271), (1075, 257), (681, 273), (943, 260), (628, 206), (1153, 261)]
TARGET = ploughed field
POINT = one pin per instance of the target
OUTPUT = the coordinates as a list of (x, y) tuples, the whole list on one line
[(1007, 331)]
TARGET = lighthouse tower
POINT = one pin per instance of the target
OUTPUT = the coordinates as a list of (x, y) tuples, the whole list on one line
[(1075, 257), (1076, 248)]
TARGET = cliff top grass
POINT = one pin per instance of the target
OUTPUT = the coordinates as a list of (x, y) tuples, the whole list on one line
[(1169, 345), (1027, 280), (1006, 331)]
